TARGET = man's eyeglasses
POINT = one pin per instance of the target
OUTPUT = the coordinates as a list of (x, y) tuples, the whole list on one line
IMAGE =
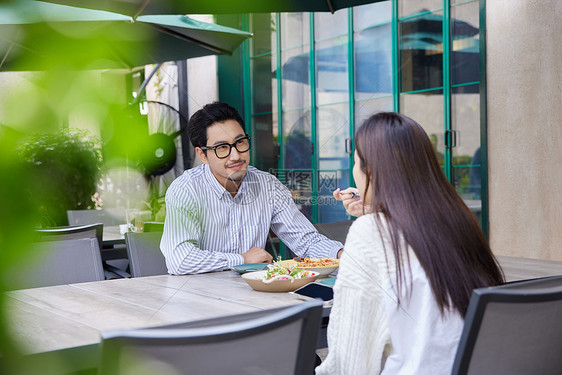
[(222, 151)]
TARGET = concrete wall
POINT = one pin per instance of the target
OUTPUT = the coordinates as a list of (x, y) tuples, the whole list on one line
[(524, 73)]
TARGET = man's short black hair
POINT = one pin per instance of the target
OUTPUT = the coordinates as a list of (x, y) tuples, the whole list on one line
[(207, 116)]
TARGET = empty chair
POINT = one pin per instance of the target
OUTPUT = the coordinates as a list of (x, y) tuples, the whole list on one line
[(335, 231), (513, 329), (145, 257), (94, 230), (108, 216), (280, 342), (59, 262), (81, 231), (153, 226)]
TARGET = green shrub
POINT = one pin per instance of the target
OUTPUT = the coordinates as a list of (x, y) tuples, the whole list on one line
[(66, 168)]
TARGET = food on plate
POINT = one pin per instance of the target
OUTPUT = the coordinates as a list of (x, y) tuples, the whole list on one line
[(317, 262), (283, 271)]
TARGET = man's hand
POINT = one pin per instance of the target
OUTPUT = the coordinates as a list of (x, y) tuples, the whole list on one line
[(257, 255), (352, 204)]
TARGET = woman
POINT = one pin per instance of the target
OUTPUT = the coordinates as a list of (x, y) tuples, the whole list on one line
[(410, 262)]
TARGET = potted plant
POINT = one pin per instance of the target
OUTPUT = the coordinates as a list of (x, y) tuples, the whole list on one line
[(66, 167)]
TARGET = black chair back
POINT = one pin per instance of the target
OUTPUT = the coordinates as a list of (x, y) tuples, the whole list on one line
[(145, 257), (335, 231), (59, 262), (513, 329), (280, 342)]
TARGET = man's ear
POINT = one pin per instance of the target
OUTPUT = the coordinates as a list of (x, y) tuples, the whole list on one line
[(201, 155)]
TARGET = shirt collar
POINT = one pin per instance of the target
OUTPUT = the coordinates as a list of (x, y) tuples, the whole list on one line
[(215, 186)]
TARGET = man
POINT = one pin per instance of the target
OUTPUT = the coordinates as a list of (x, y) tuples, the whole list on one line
[(219, 214)]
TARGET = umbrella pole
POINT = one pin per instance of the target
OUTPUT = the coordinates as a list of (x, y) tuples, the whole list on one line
[(145, 82)]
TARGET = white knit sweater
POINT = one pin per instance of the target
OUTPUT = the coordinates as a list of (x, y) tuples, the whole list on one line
[(366, 318)]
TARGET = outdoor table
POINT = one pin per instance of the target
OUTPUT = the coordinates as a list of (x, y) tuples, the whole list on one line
[(68, 319)]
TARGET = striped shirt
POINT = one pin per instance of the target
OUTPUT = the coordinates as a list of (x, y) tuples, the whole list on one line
[(206, 229)]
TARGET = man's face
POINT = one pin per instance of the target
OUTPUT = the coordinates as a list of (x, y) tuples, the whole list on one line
[(234, 166)]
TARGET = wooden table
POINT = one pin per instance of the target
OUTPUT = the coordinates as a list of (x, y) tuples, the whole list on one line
[(69, 318)]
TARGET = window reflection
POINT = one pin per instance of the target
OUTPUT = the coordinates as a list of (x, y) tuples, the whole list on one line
[(411, 7), (421, 52), (332, 129), (330, 210), (373, 62), (465, 106), (465, 46), (427, 110)]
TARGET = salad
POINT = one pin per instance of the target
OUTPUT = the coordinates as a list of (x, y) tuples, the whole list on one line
[(278, 271)]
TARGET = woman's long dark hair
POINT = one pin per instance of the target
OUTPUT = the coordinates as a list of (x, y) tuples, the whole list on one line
[(409, 187)]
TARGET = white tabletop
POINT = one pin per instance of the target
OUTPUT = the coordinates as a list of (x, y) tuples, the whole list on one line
[(65, 316), (72, 316)]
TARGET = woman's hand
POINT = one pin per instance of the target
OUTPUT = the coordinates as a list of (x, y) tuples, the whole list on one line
[(351, 201)]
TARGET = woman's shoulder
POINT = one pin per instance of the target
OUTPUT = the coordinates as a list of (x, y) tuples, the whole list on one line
[(369, 236), (365, 233), (367, 226)]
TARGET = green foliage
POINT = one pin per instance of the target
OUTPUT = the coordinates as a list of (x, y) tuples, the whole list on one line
[(66, 168)]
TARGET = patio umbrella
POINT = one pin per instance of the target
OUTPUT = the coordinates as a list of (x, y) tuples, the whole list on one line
[(36, 35), (137, 7)]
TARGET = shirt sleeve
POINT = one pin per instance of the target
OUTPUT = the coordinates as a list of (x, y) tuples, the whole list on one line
[(358, 330), (181, 238), (296, 231)]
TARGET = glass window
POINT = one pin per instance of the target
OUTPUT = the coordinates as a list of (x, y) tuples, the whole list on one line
[(263, 26), (365, 108), (373, 62), (329, 209), (410, 7), (421, 52), (332, 129), (368, 15), (332, 75), (328, 25), (465, 66), (427, 110), (297, 146), (294, 30), (465, 105), (262, 82), (295, 78), (264, 142)]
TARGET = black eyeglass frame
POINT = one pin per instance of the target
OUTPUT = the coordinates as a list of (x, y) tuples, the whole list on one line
[(214, 148)]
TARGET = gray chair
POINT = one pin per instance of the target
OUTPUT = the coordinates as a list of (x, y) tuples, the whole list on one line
[(108, 216), (145, 257), (93, 230), (60, 262), (277, 342), (513, 329), (81, 231), (335, 231)]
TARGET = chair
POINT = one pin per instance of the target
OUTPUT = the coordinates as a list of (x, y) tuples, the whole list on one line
[(94, 230), (153, 226), (108, 216), (81, 231), (513, 329), (335, 231), (60, 262), (278, 342), (145, 257)]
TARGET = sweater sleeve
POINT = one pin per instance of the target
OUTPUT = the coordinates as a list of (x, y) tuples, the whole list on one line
[(358, 328)]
